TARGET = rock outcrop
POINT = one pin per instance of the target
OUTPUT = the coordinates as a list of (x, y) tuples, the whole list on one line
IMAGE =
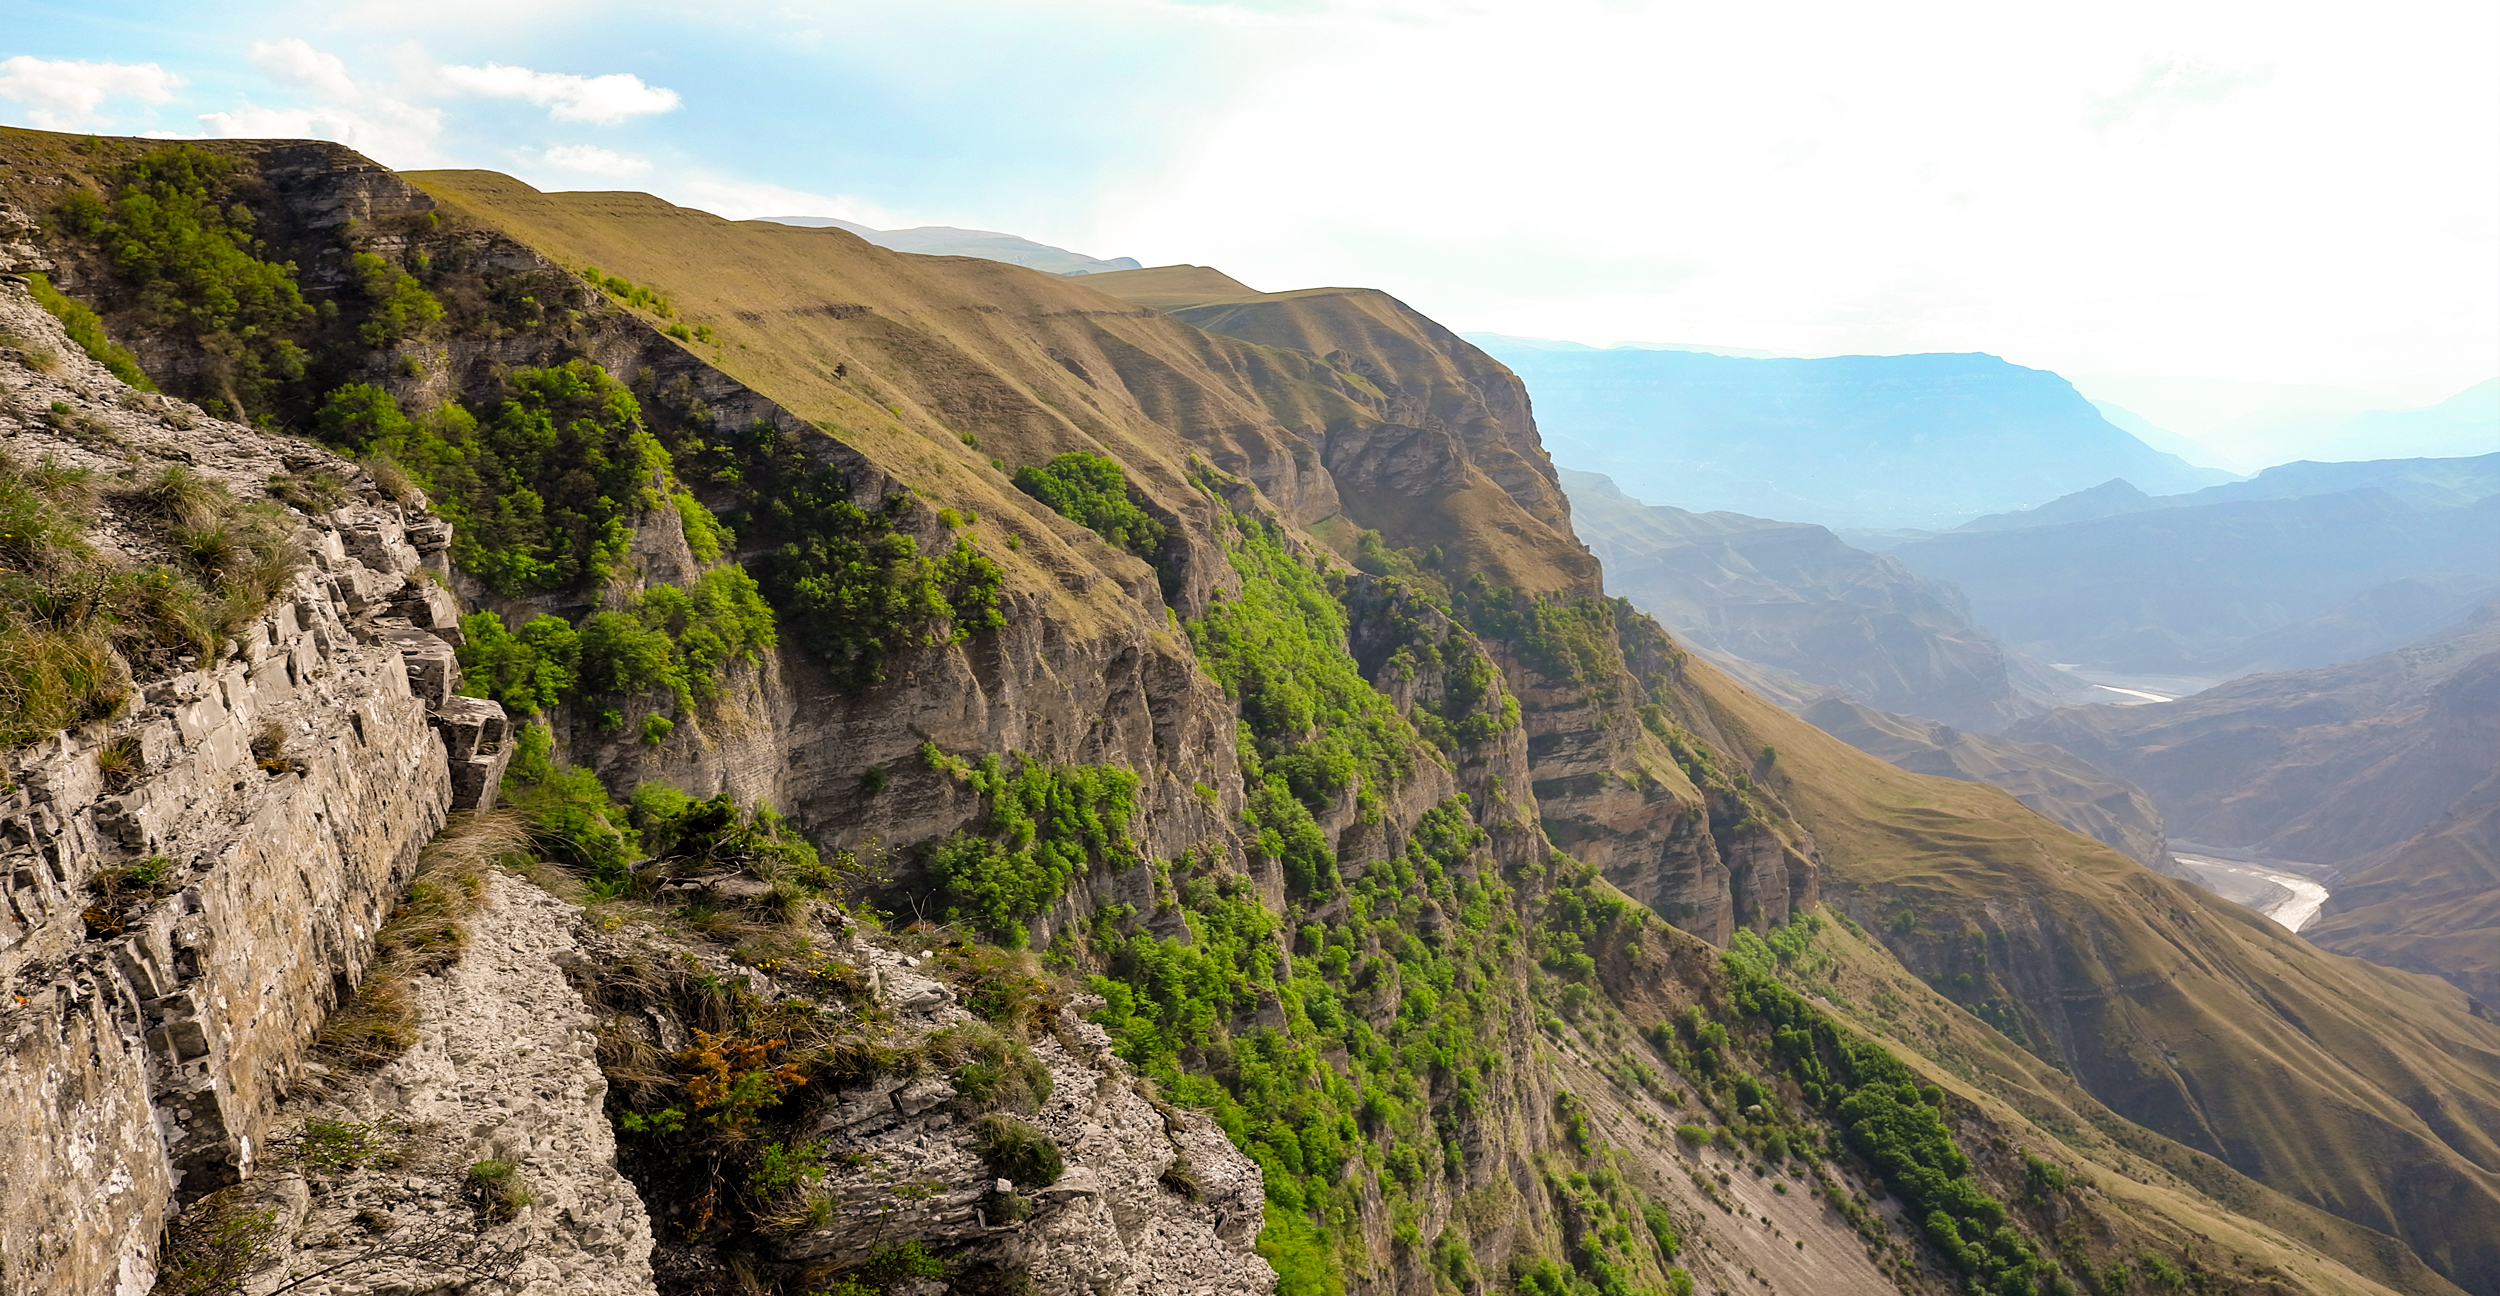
[(258, 814), (384, 1191)]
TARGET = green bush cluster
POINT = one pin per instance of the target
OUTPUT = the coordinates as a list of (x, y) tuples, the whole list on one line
[(571, 819), (632, 294), (713, 834), (1611, 1232), (853, 590), (1091, 491), (87, 330), (542, 491), (1564, 639), (176, 231), (1047, 824), (537, 668), (76, 627), (1887, 1119), (1408, 1087), (400, 307), (681, 642), (1278, 648)]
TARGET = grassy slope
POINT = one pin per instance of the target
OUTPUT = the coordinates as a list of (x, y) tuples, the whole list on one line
[(953, 345), (2430, 904), (1510, 520), (2367, 1091), (1032, 364)]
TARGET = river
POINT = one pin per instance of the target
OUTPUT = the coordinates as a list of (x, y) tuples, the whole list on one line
[(2287, 898)]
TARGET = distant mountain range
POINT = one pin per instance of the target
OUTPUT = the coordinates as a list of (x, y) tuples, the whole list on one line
[(1823, 618), (989, 245), (1492, 341), (1847, 441), (2246, 425), (2423, 483), (2305, 565), (2388, 768)]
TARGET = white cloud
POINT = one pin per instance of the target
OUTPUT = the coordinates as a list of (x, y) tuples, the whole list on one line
[(66, 94), (2162, 88), (744, 200), (295, 62), (591, 159), (603, 100), (388, 131)]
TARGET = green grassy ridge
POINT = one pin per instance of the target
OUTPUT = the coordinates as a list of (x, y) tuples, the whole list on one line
[(1889, 1121), (85, 328)]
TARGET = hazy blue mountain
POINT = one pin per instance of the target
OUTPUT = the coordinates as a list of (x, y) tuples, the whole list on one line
[(989, 245), (1825, 618), (2109, 499), (2467, 423), (2420, 482), (2155, 435), (1854, 441), (2426, 483), (2199, 588)]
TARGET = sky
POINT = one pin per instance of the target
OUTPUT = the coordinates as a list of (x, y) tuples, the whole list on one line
[(2232, 215)]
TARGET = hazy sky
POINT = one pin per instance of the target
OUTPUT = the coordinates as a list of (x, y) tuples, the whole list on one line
[(2301, 195)]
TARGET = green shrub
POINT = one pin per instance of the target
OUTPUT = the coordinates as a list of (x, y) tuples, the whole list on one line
[(529, 672), (569, 814), (1564, 639), (1887, 1119), (995, 1072), (1047, 824), (1091, 491), (703, 836), (853, 589), (543, 490), (87, 330), (706, 537), (1017, 1152), (499, 1189), (683, 641), (1279, 650), (401, 307), (177, 234), (656, 729), (631, 294)]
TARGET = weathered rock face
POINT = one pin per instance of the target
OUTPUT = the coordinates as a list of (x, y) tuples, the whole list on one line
[(504, 1069), (1152, 1199), (148, 1044)]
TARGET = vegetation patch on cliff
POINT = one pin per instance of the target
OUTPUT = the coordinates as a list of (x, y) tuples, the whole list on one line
[(77, 627), (1278, 648), (1091, 491), (1046, 825)]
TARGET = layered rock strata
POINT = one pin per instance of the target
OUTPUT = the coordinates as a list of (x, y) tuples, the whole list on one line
[(273, 799)]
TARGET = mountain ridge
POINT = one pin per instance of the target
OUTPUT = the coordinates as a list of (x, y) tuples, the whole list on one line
[(1377, 891)]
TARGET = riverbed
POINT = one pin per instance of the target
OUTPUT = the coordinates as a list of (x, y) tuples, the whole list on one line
[(2287, 898)]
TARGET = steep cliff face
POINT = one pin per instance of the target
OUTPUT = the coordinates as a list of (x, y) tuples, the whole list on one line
[(1296, 796), (194, 880)]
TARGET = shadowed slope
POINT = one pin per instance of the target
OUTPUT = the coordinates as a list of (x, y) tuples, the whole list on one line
[(2370, 1092), (2108, 810)]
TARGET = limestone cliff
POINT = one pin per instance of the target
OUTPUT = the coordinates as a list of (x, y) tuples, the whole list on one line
[(191, 882)]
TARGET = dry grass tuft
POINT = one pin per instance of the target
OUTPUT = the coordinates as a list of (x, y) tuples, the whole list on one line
[(423, 936)]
